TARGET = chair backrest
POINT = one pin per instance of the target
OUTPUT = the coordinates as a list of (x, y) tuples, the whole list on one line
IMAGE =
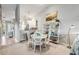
[(37, 38), (53, 29), (37, 41), (38, 33)]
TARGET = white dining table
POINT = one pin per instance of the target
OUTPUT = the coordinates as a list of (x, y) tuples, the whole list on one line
[(41, 36)]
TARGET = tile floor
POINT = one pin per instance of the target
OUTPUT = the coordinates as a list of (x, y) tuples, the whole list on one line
[(22, 48)]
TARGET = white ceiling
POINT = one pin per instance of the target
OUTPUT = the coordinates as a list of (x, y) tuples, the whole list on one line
[(33, 9), (8, 10)]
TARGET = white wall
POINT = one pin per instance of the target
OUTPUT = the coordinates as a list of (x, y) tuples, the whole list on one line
[(67, 14), (32, 23), (8, 11), (27, 14)]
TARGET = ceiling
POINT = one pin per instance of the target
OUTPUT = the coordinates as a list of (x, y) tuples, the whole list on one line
[(8, 10), (33, 9)]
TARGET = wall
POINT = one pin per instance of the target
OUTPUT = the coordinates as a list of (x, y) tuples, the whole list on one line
[(67, 14), (8, 12), (0, 23), (25, 14), (32, 23)]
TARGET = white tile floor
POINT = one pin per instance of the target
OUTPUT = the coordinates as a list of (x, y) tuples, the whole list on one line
[(23, 49)]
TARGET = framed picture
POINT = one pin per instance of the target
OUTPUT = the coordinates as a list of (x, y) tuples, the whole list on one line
[(52, 16)]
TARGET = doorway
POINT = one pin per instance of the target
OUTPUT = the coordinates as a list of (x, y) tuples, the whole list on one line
[(8, 32)]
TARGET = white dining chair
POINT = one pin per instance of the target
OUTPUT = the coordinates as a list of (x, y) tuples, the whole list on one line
[(37, 40), (53, 31)]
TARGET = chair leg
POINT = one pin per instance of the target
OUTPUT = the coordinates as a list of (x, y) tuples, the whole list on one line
[(40, 48), (58, 40), (28, 43), (45, 45), (34, 47)]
